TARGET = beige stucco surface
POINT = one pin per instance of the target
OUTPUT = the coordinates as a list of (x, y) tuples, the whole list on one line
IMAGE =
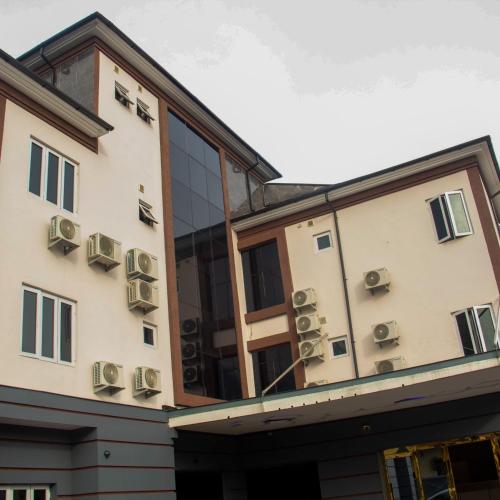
[(108, 194), (429, 280)]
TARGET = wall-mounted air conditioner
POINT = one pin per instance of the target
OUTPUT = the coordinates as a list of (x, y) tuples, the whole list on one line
[(104, 250), (142, 295), (106, 375), (385, 332), (190, 350), (389, 365), (377, 278), (310, 349), (147, 381), (307, 323), (190, 326), (141, 264), (191, 374), (64, 234), (304, 298)]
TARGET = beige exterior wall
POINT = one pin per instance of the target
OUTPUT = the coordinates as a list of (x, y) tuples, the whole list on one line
[(108, 194), (321, 270), (429, 281)]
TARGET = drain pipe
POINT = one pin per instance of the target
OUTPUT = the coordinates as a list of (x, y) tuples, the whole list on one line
[(49, 64), (344, 282)]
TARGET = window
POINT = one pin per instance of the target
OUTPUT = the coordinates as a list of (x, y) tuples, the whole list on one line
[(121, 95), (339, 347), (269, 364), (477, 329), (143, 111), (450, 216), (52, 176), (322, 241), (48, 325), (24, 493), (262, 276), (146, 214), (149, 335)]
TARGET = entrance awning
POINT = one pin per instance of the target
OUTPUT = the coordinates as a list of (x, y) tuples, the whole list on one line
[(419, 386)]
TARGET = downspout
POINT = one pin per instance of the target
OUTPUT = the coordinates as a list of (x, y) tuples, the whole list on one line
[(344, 282), (49, 64)]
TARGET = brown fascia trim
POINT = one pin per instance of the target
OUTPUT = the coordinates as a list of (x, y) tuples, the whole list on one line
[(47, 116), (266, 313), (488, 225), (269, 341), (357, 198), (3, 102), (234, 289)]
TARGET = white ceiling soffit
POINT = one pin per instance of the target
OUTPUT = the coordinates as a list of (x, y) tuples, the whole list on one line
[(480, 150), (98, 29), (49, 100)]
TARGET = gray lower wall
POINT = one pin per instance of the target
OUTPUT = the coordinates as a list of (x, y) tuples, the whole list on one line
[(61, 441), (348, 457)]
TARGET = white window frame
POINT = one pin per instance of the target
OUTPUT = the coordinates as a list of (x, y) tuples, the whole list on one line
[(474, 311), (30, 489), (40, 294), (452, 217), (449, 217), (316, 246), (336, 339), (154, 345), (60, 176)]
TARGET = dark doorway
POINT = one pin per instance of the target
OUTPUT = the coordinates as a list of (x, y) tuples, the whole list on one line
[(197, 485), (294, 482)]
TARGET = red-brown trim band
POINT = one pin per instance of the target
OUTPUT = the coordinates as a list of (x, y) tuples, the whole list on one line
[(269, 341), (3, 103), (487, 223)]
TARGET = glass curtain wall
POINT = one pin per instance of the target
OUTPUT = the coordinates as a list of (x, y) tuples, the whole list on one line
[(207, 326)]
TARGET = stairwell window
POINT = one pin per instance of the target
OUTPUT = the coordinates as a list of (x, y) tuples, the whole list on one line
[(48, 324), (450, 215), (52, 176), (477, 329)]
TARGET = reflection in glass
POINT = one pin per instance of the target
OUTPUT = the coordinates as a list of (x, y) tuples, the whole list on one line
[(207, 328), (401, 478), (433, 473)]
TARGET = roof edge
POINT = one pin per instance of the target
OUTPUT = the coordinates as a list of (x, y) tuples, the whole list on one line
[(271, 171)]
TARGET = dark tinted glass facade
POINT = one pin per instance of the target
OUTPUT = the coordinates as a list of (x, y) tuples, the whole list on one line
[(262, 275), (268, 365), (206, 311)]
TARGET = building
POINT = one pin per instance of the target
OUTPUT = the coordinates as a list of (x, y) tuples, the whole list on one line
[(157, 283)]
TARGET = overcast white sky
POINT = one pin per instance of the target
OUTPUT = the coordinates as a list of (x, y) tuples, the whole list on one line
[(324, 90)]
